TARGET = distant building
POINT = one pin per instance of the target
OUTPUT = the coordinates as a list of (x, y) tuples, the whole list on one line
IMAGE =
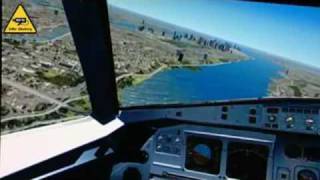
[(26, 57), (35, 66), (68, 64), (150, 30), (205, 56), (26, 70), (180, 55), (65, 65), (46, 64)]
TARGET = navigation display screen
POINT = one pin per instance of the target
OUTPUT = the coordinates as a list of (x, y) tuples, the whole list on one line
[(173, 52)]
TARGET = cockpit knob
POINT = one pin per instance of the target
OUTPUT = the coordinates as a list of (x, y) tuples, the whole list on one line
[(177, 140), (290, 120), (159, 146), (272, 118), (309, 123)]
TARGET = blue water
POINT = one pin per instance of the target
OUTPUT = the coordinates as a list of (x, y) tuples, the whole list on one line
[(53, 33), (244, 79), (125, 25)]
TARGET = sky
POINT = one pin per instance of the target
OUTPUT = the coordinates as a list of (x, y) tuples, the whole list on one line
[(288, 31)]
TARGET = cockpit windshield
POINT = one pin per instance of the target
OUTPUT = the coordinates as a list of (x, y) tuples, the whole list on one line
[(172, 52), (164, 52)]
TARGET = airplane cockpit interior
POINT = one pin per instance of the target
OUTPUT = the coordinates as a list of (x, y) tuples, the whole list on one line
[(162, 89)]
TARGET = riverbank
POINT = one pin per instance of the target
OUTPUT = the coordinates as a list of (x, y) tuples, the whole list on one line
[(139, 52), (140, 55), (203, 83), (135, 79), (131, 79), (295, 82)]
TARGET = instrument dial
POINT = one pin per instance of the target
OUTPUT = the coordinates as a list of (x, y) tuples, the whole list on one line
[(307, 175)]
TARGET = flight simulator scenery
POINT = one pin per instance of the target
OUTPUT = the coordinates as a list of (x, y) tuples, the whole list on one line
[(165, 52), (169, 52)]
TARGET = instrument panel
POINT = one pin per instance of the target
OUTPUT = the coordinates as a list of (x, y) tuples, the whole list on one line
[(300, 118), (250, 140), (196, 152), (295, 117), (211, 153)]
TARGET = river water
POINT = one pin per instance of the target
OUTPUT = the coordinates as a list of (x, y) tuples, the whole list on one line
[(243, 79)]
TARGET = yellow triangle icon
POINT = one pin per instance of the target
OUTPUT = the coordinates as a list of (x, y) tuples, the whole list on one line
[(20, 23)]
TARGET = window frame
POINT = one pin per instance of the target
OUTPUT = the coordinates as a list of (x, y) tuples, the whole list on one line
[(93, 44)]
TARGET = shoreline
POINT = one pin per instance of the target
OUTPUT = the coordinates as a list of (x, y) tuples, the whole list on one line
[(294, 82), (139, 78)]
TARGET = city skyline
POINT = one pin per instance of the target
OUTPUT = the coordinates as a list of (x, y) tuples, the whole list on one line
[(238, 20)]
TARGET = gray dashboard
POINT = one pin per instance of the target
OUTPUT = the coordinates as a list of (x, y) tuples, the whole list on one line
[(282, 138), (301, 118), (166, 162), (168, 154)]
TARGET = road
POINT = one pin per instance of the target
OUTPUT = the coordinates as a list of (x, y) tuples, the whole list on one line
[(31, 91), (65, 103)]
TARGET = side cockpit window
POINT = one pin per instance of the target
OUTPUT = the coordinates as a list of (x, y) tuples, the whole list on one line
[(42, 79)]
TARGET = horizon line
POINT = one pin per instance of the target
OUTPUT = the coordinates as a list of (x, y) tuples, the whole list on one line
[(222, 38)]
